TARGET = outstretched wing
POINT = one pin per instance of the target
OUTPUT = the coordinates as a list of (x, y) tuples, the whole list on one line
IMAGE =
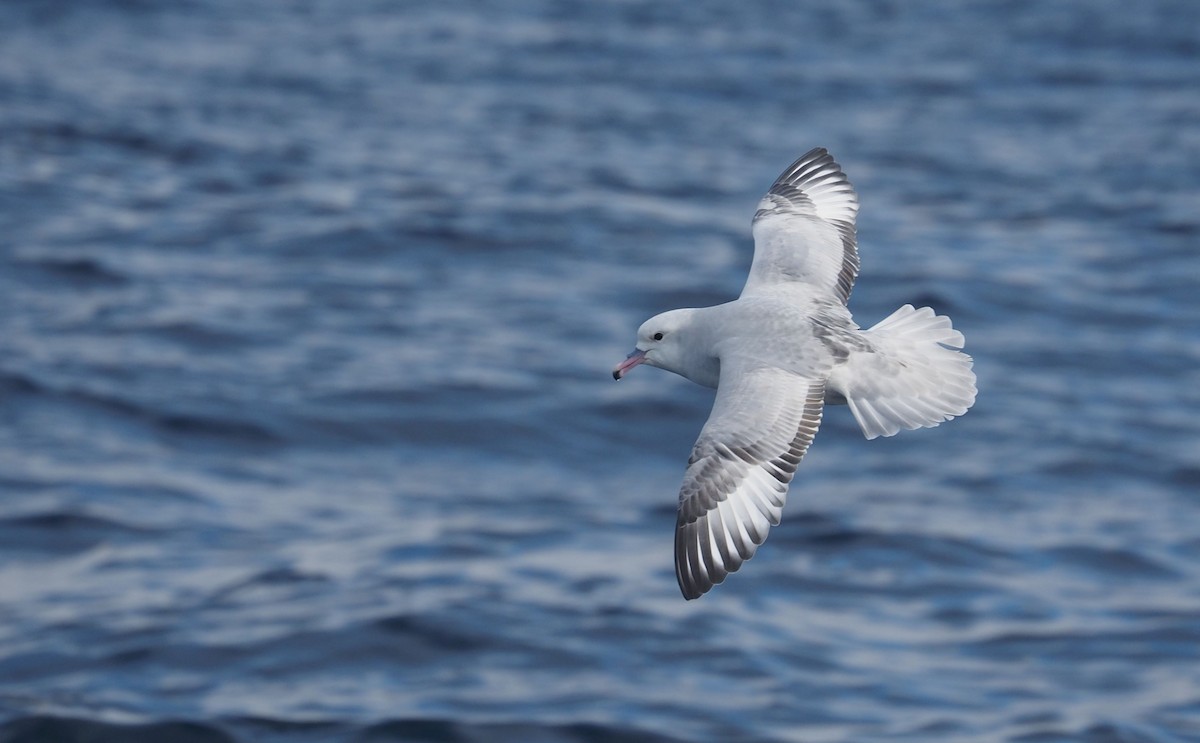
[(804, 229), (736, 483)]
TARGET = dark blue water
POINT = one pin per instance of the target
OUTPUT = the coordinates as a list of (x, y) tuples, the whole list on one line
[(307, 314)]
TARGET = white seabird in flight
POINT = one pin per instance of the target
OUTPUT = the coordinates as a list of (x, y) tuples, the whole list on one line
[(777, 354)]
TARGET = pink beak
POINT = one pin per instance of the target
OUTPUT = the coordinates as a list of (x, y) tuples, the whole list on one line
[(630, 361)]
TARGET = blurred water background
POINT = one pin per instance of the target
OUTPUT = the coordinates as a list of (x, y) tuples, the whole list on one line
[(307, 314)]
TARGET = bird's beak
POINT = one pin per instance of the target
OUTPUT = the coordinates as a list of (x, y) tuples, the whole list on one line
[(630, 361)]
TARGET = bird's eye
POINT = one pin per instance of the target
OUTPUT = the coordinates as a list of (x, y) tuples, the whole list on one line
[(658, 336)]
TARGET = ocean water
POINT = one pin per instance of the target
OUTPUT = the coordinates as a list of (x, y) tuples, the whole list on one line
[(307, 317)]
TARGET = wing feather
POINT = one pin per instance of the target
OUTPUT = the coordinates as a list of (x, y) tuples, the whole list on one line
[(804, 229), (735, 487)]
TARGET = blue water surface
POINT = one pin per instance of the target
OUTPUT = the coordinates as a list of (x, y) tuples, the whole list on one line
[(307, 315)]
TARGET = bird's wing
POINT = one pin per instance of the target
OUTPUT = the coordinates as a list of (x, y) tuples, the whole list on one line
[(804, 229), (736, 482)]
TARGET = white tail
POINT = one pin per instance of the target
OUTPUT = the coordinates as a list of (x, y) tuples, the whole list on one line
[(914, 377)]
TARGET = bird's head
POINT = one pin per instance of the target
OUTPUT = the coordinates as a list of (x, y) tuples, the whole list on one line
[(660, 342)]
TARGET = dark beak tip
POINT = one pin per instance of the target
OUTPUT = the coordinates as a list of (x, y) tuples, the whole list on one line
[(617, 374)]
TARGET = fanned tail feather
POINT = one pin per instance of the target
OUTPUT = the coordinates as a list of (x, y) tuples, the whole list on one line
[(915, 376)]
